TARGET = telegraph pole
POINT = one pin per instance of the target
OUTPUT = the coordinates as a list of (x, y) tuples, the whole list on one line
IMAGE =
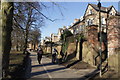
[(100, 38)]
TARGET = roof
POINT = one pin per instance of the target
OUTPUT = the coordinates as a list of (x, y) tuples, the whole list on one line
[(76, 23), (103, 9)]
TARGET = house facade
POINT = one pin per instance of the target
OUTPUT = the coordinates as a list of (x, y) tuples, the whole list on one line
[(90, 21), (91, 15), (109, 21), (74, 27), (47, 39)]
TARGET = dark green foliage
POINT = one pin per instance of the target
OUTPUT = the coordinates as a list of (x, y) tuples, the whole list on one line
[(65, 34), (80, 37), (65, 46), (68, 37), (71, 39)]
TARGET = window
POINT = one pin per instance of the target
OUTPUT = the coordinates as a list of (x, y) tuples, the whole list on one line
[(112, 13), (80, 28), (103, 20), (89, 22), (77, 30), (90, 11)]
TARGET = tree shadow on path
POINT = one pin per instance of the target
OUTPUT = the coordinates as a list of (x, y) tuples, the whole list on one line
[(48, 71), (46, 64)]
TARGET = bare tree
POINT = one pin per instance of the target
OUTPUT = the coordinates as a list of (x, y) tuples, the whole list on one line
[(34, 37), (17, 38), (26, 17)]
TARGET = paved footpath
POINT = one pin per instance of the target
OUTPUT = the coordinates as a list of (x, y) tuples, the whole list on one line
[(47, 70)]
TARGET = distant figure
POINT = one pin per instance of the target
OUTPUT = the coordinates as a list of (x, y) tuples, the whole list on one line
[(62, 54), (65, 56), (54, 54), (39, 54)]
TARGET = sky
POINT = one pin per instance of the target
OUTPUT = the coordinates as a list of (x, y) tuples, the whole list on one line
[(65, 13)]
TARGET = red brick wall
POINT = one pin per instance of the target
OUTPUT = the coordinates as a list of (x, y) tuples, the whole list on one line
[(113, 35), (93, 38)]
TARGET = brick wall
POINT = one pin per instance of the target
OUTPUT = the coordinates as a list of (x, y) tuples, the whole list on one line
[(113, 34)]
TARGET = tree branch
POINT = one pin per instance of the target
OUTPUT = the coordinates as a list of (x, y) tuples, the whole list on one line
[(42, 13), (18, 23)]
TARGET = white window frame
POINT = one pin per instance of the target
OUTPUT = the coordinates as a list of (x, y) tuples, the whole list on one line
[(103, 20)]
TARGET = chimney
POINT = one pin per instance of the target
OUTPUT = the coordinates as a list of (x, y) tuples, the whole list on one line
[(76, 20)]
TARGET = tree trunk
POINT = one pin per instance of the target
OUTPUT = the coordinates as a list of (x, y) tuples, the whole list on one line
[(34, 46), (27, 29), (26, 39), (7, 17), (17, 46)]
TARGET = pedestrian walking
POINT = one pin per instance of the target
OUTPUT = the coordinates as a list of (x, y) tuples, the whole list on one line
[(62, 54), (54, 54), (39, 54)]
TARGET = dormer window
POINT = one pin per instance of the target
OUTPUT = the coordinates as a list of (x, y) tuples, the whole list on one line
[(111, 13)]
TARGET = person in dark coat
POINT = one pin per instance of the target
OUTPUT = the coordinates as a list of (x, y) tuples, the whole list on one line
[(54, 54), (39, 55), (62, 54)]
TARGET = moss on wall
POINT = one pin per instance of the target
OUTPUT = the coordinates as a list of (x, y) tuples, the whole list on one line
[(89, 54), (113, 61)]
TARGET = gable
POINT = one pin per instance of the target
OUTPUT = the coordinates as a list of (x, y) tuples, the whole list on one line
[(112, 11), (89, 9)]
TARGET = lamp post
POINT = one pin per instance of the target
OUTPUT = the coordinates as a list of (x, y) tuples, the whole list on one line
[(107, 34), (100, 38), (51, 43)]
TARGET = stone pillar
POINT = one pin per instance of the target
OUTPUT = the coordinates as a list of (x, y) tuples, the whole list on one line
[(78, 51)]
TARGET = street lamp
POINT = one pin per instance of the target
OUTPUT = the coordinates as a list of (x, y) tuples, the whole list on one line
[(51, 42), (100, 37)]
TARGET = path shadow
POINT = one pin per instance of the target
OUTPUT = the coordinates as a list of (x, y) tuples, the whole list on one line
[(48, 71), (75, 62), (90, 76), (33, 55), (70, 56), (47, 64)]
